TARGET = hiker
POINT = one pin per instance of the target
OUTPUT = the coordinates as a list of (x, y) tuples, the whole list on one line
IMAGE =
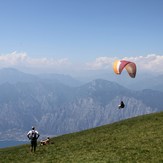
[(122, 105), (45, 142), (33, 135)]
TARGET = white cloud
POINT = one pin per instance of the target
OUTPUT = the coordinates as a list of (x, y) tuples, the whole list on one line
[(149, 63), (100, 63), (12, 59), (22, 60)]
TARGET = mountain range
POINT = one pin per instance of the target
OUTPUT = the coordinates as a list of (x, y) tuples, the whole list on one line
[(56, 107)]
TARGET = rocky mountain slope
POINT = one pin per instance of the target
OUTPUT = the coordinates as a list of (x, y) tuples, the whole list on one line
[(55, 108)]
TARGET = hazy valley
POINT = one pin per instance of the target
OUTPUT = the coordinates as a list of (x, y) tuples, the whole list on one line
[(56, 108)]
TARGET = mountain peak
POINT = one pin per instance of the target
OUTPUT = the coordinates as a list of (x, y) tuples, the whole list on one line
[(102, 83), (12, 75)]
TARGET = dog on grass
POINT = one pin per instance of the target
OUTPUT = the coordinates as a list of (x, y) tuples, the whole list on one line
[(45, 142)]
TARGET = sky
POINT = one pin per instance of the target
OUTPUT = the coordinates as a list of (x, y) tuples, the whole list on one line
[(69, 36)]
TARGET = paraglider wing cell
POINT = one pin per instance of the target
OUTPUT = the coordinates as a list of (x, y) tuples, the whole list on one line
[(116, 67), (131, 69)]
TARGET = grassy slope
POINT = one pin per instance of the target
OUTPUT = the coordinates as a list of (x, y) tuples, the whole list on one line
[(138, 139)]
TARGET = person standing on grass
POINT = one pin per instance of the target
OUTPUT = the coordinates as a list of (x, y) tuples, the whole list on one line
[(33, 135)]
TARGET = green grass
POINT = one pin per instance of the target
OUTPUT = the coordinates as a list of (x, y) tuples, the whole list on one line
[(137, 139)]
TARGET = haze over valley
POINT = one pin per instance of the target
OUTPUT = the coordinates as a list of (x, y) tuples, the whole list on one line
[(58, 104)]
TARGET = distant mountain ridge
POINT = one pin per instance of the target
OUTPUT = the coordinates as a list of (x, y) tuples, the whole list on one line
[(56, 108), (12, 76), (143, 81)]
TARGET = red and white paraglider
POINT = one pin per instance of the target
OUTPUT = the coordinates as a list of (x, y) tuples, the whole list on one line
[(119, 66)]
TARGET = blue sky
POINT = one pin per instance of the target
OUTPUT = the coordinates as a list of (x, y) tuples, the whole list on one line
[(79, 31)]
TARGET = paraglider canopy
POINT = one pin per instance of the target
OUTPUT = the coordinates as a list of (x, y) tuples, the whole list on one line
[(119, 65)]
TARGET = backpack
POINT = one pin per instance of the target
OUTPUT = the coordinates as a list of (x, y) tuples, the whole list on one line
[(33, 135)]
